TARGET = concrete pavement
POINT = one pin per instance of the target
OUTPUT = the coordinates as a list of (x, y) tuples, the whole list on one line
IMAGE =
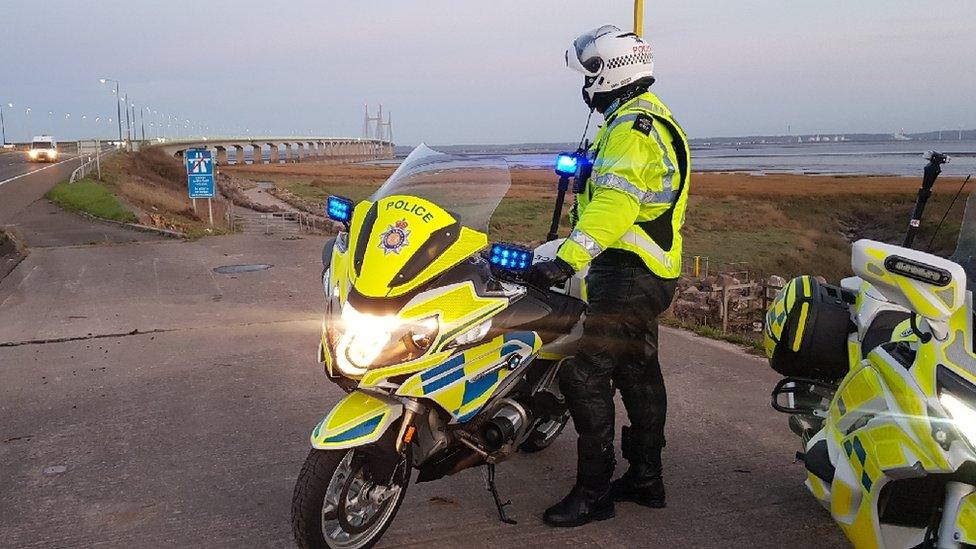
[(192, 434), (44, 224)]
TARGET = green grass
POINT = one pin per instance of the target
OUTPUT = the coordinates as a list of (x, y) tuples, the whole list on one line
[(524, 221), (90, 197), (752, 344)]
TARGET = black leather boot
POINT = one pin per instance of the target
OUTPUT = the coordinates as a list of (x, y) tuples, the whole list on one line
[(642, 483), (590, 498)]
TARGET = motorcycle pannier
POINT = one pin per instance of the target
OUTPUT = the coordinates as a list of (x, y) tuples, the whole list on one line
[(806, 330)]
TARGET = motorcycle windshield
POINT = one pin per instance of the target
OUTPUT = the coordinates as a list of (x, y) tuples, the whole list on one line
[(965, 253), (468, 188), (430, 215)]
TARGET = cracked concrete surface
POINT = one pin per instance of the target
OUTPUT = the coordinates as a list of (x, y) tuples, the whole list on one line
[(191, 431)]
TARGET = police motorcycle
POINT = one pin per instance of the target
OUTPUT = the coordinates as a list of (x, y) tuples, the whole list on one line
[(881, 388), (449, 360)]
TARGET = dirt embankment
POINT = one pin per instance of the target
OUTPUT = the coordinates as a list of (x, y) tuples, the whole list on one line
[(153, 184), (774, 224)]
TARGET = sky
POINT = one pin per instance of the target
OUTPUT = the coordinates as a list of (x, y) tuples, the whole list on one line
[(453, 72)]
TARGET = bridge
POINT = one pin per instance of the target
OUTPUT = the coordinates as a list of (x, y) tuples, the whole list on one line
[(289, 149)]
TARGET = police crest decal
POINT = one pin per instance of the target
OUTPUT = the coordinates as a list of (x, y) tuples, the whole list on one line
[(394, 238)]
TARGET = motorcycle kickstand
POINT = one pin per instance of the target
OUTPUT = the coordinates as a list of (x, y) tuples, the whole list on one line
[(490, 481)]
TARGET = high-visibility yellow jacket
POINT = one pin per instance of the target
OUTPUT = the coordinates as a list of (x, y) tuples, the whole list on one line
[(636, 197)]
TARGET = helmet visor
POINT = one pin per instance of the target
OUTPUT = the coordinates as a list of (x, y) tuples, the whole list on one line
[(586, 58)]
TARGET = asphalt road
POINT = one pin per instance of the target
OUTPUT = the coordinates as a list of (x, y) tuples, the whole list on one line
[(147, 401), (23, 182)]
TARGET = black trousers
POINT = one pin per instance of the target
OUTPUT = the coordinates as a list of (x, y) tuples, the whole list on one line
[(619, 343)]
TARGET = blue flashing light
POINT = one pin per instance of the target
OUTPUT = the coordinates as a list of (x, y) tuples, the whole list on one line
[(566, 164), (339, 209), (511, 257)]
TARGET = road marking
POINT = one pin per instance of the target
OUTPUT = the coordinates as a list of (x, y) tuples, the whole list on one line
[(40, 170)]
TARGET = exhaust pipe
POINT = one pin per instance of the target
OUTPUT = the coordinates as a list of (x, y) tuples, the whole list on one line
[(506, 425)]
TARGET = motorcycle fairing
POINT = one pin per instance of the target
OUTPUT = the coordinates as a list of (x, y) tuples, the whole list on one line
[(879, 421), (965, 520), (401, 242), (359, 418), (463, 384), (458, 308), (934, 301)]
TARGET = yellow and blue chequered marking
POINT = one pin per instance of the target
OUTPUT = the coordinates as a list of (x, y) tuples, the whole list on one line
[(854, 448), (359, 418), (796, 290), (465, 382), (358, 431)]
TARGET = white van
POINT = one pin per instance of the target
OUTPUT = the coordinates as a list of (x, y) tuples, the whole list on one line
[(43, 149)]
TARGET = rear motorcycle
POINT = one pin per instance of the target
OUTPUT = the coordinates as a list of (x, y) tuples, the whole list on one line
[(881, 388), (448, 359)]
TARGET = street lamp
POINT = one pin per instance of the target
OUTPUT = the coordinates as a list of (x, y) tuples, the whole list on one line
[(3, 131), (118, 106)]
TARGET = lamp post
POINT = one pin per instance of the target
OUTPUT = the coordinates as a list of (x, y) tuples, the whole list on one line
[(128, 128), (3, 130), (142, 121), (118, 105)]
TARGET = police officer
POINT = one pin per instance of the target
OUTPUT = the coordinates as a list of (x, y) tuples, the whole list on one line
[(627, 228)]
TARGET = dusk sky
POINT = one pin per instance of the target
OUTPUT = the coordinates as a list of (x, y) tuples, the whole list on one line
[(484, 72)]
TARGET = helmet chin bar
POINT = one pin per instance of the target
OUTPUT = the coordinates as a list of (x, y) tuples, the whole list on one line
[(602, 101)]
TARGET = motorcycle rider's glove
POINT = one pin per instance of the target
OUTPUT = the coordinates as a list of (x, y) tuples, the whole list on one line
[(546, 274)]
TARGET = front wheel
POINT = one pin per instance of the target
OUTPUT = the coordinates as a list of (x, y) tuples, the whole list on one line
[(338, 504)]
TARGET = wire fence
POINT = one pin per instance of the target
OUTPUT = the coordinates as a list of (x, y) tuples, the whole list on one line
[(731, 296)]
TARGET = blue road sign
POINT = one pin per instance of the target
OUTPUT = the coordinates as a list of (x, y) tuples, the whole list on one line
[(200, 173)]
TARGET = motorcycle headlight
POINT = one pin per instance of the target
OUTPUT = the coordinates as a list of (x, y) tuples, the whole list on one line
[(473, 335), (958, 398), (371, 341)]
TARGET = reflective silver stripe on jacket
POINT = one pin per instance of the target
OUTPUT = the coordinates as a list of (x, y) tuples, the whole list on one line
[(620, 120), (634, 238), (586, 241), (614, 181), (668, 178), (648, 106), (613, 124)]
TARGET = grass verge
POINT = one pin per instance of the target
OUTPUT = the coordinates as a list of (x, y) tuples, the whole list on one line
[(90, 197), (751, 344)]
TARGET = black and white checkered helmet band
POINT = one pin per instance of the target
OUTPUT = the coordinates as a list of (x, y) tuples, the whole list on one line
[(641, 58)]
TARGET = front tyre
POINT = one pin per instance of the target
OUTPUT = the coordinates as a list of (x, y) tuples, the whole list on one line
[(337, 504)]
